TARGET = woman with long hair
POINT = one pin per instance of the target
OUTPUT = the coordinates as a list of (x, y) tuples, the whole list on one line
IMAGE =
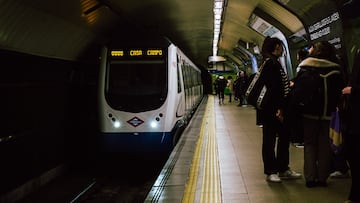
[(276, 162)]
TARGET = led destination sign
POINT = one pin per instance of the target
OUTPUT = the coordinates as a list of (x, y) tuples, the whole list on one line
[(136, 53)]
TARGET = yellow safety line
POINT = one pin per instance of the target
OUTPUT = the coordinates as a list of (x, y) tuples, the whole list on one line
[(190, 187), (211, 189)]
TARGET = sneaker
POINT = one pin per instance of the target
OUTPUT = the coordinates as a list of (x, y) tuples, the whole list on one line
[(289, 174), (298, 145), (339, 174), (273, 178)]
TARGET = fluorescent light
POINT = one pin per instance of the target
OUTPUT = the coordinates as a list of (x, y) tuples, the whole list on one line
[(218, 10), (216, 59), (218, 4)]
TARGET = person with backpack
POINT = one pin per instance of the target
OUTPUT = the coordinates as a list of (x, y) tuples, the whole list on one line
[(316, 93)]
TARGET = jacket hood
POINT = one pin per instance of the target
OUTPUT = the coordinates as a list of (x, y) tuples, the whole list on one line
[(318, 63)]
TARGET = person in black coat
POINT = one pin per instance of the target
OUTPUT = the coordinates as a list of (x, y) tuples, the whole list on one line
[(221, 84), (352, 129), (240, 86), (276, 162), (317, 92), (295, 119)]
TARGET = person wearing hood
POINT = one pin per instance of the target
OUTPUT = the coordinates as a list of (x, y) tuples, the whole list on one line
[(317, 93)]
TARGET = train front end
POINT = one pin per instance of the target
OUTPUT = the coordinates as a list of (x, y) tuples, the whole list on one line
[(132, 100)]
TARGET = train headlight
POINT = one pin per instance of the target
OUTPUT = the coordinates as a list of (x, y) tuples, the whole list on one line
[(116, 124), (154, 124)]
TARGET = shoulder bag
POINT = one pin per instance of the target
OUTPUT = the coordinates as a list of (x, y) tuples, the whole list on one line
[(256, 93)]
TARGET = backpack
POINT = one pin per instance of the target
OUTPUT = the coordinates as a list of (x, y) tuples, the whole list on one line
[(308, 94)]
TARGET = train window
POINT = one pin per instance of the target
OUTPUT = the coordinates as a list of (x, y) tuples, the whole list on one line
[(136, 86), (178, 80)]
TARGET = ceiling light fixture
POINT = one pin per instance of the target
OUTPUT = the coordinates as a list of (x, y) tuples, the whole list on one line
[(218, 11)]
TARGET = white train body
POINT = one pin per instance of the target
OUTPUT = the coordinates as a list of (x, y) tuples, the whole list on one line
[(146, 97)]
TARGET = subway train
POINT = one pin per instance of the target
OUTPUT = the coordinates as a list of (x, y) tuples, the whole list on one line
[(148, 92)]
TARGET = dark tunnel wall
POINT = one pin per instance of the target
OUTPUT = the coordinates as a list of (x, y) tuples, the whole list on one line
[(48, 113)]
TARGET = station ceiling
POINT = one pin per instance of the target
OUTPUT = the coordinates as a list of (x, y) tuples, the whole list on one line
[(66, 29)]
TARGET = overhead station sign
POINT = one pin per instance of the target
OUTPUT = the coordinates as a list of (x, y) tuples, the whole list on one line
[(322, 21), (322, 27), (328, 28)]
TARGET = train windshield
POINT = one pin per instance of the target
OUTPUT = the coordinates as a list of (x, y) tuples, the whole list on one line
[(136, 85)]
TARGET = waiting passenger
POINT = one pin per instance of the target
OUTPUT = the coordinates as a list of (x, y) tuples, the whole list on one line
[(316, 102), (216, 85), (301, 55), (230, 85), (276, 162), (240, 86), (340, 167), (294, 124), (221, 83), (352, 136)]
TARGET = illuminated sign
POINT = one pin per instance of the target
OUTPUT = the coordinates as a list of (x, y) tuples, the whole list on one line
[(137, 53), (328, 28), (154, 52), (117, 53), (322, 27)]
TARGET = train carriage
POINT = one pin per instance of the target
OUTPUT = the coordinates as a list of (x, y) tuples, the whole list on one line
[(146, 96)]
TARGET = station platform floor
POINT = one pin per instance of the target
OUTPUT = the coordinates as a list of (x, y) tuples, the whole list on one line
[(218, 159)]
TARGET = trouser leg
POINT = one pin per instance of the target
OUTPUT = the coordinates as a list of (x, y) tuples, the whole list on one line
[(324, 152), (310, 149), (268, 148), (282, 148), (353, 151)]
